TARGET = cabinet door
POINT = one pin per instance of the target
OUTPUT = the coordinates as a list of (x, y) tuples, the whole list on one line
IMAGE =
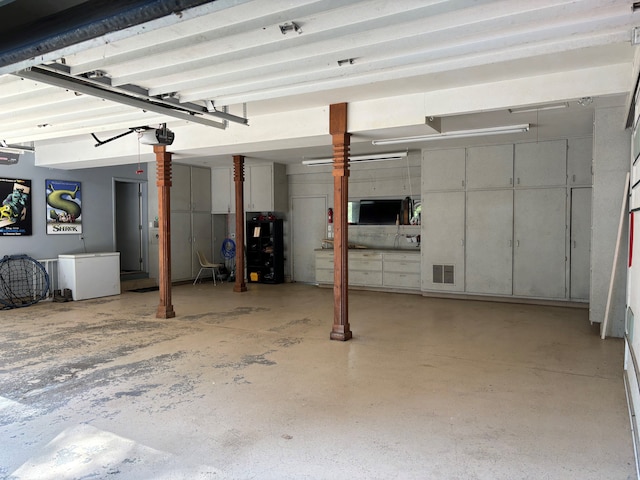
[(442, 234), (580, 243), (539, 251), (579, 160), (542, 164), (443, 169), (180, 188), (181, 254), (200, 238), (259, 197), (222, 190), (200, 189), (489, 167), (489, 235)]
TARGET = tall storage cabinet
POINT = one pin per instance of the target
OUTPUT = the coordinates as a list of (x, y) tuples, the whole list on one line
[(190, 219), (265, 251)]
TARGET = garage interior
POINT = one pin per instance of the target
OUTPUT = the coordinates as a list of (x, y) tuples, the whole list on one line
[(451, 182)]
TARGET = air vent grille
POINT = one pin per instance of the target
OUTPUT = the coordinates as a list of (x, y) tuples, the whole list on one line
[(444, 274)]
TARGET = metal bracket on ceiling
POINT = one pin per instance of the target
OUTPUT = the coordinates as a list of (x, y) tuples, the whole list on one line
[(131, 95)]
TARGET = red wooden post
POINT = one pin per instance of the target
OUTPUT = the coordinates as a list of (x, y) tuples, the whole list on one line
[(238, 178), (341, 141), (163, 181)]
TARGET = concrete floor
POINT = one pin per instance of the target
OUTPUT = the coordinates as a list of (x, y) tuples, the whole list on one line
[(248, 386)]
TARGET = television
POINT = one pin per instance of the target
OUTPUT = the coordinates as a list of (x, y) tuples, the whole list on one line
[(379, 212)]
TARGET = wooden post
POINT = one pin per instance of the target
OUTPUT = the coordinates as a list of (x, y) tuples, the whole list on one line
[(238, 178), (341, 140), (163, 181)]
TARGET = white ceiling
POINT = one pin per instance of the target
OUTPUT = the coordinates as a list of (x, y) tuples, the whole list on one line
[(234, 54)]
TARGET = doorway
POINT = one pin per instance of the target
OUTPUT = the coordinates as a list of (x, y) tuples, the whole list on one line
[(129, 196)]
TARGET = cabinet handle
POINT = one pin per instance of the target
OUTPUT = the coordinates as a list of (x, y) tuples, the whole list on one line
[(574, 244), (518, 181), (463, 183), (517, 243), (573, 178), (511, 181), (510, 243)]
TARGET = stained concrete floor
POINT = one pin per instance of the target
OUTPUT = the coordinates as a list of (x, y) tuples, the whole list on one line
[(248, 386)]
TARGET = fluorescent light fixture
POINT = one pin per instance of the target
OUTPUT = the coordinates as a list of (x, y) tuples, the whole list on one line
[(376, 157), (478, 132), (551, 106)]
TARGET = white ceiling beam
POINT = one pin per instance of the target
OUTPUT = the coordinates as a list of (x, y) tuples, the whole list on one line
[(383, 71), (413, 53)]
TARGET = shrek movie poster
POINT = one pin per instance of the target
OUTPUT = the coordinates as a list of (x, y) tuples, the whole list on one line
[(15, 212), (64, 210)]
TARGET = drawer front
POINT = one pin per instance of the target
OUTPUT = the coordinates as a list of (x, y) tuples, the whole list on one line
[(402, 257), (324, 262), (365, 265), (324, 276), (369, 279), (402, 266), (402, 280)]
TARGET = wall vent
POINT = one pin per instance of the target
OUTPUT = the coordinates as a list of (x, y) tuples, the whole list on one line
[(443, 274)]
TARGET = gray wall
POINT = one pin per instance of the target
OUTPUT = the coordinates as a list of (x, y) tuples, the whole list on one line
[(611, 153), (97, 209)]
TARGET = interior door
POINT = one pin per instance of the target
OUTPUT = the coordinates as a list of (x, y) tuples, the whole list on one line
[(489, 235), (128, 225), (308, 229), (580, 243), (539, 262)]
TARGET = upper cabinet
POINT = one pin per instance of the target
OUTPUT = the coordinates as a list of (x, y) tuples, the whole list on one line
[(579, 160), (190, 189), (265, 189), (443, 170), (490, 167), (223, 198), (541, 164)]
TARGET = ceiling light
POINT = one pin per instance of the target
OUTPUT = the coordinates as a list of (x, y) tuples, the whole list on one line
[(291, 26), (551, 106), (377, 157), (585, 101), (479, 132)]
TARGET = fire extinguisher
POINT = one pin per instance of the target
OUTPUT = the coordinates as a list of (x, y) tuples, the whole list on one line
[(330, 222)]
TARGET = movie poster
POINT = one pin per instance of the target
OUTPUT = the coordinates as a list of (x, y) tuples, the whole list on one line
[(64, 207), (15, 212)]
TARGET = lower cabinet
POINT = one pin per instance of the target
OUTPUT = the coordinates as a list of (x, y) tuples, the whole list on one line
[(374, 268)]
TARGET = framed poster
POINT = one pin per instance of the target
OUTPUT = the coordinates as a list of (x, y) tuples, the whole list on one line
[(15, 211), (64, 207)]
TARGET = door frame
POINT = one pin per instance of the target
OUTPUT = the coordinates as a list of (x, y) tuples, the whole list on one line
[(144, 217)]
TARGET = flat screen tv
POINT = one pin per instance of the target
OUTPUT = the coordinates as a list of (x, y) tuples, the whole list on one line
[(379, 212)]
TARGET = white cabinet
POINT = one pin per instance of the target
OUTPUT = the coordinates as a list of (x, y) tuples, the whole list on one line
[(365, 269), (539, 262), (223, 193), (90, 275), (442, 234), (443, 170), (579, 160), (190, 220), (489, 240), (265, 188), (380, 269), (580, 245), (401, 270), (490, 167), (541, 164)]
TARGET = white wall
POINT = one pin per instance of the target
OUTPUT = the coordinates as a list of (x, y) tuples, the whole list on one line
[(611, 152)]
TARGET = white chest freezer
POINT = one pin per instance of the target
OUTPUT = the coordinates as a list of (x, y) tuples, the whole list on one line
[(90, 275)]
